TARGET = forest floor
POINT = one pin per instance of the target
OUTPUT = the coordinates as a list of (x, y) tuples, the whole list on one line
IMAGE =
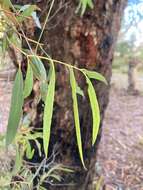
[(120, 155)]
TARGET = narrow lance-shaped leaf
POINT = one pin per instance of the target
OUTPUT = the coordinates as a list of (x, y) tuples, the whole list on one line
[(79, 90), (38, 68), (28, 82), (48, 111), (76, 114), (15, 108), (95, 75), (95, 110)]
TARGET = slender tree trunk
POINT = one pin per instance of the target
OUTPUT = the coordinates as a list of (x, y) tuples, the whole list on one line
[(86, 42), (132, 76)]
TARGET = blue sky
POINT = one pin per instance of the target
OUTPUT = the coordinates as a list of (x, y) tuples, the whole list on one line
[(134, 18)]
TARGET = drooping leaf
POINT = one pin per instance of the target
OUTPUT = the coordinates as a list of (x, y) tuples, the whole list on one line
[(38, 68), (95, 110), (15, 108), (28, 82), (48, 110), (95, 75), (76, 115)]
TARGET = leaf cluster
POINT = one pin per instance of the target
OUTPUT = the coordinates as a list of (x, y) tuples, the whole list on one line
[(36, 71)]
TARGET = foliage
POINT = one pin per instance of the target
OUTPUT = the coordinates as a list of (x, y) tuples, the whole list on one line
[(83, 5), (23, 87), (47, 171), (126, 50)]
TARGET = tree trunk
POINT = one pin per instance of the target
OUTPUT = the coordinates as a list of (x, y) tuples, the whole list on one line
[(86, 42), (132, 76)]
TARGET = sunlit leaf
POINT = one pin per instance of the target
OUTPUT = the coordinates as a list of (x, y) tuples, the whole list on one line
[(28, 82), (99, 183), (36, 19), (27, 11), (29, 151), (38, 147), (83, 5), (6, 3), (76, 115), (38, 68), (95, 75), (15, 108), (95, 110), (48, 111), (79, 90)]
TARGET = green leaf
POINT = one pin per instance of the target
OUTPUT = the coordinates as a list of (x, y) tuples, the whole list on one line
[(14, 39), (5, 44), (95, 110), (43, 90), (15, 108), (48, 111), (52, 170), (6, 3), (38, 68), (76, 114), (79, 90), (18, 162), (83, 5), (27, 11), (90, 4), (99, 183), (95, 75), (29, 151), (28, 82)]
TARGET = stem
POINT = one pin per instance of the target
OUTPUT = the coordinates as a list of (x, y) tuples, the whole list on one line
[(56, 61), (46, 20)]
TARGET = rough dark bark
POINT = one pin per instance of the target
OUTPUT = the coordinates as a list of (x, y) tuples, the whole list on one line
[(86, 42)]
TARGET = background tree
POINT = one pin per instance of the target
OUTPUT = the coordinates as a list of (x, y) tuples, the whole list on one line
[(128, 56), (87, 42)]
